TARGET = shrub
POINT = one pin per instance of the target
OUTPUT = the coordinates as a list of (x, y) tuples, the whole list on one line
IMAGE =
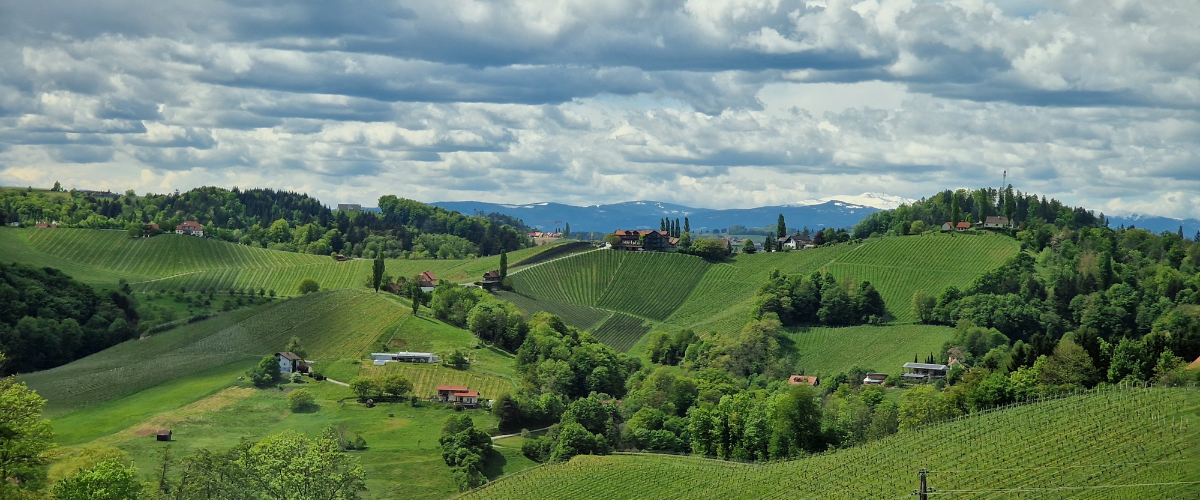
[(309, 285), (300, 400)]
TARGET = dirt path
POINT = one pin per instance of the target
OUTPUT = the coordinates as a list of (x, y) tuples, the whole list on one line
[(517, 434)]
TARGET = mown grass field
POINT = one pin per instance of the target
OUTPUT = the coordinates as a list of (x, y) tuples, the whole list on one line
[(885, 349), (1085, 446)]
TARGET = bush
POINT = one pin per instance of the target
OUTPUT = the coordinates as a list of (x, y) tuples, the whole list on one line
[(297, 378), (308, 285), (266, 373), (300, 400)]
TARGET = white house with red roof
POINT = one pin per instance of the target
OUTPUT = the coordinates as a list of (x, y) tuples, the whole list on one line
[(190, 228)]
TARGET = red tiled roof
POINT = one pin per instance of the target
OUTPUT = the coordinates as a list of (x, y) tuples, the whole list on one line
[(190, 225), (289, 356), (467, 394), (452, 388), (428, 276), (964, 225)]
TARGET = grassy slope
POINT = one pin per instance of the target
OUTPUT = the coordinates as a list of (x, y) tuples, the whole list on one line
[(828, 351), (1089, 440), (170, 262), (687, 292)]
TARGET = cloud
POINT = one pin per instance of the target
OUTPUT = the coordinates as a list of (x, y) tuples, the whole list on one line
[(704, 102)]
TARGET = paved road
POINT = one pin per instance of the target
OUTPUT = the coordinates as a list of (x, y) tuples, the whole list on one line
[(518, 434)]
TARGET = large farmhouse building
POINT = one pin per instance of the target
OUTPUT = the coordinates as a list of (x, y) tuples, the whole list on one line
[(427, 281), (190, 228), (458, 394), (646, 240), (289, 362), (380, 358), (925, 371)]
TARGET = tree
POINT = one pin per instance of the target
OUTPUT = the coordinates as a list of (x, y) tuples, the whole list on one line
[(396, 385), (685, 241), (107, 480), (567, 230), (300, 400), (955, 211), (748, 248), (710, 249), (309, 285), (290, 466), (923, 305), (780, 228), (24, 436), (503, 265), (918, 227), (768, 244), (797, 425), (364, 387), (294, 347), (507, 412), (57, 187), (377, 271), (687, 226), (266, 373)]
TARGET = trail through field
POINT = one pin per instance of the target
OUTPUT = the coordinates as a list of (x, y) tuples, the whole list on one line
[(504, 436)]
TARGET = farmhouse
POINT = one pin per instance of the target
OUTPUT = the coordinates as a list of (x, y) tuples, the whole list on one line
[(289, 362), (804, 380), (875, 379), (492, 276), (646, 240), (996, 222), (794, 242), (962, 226), (190, 228), (925, 371), (403, 357), (427, 281), (457, 394)]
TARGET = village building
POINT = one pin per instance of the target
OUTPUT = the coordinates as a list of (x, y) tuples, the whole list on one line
[(794, 242), (190, 228), (646, 240), (460, 394), (810, 381), (996, 222), (427, 281), (381, 358), (492, 276), (925, 371), (962, 226), (289, 362), (875, 379), (349, 207)]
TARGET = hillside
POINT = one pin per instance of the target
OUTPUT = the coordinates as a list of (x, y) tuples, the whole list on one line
[(1085, 446), (688, 292), (169, 262)]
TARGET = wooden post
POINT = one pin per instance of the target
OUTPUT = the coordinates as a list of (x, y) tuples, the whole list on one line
[(923, 493)]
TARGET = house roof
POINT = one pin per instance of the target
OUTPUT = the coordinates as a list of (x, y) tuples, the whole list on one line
[(637, 232), (467, 394), (452, 388), (802, 380), (877, 375), (926, 366), (428, 276), (1195, 365), (152, 225), (495, 273), (164, 432), (190, 225), (995, 219), (964, 225), (289, 356)]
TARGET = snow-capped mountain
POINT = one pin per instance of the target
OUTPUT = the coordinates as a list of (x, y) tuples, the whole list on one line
[(833, 211)]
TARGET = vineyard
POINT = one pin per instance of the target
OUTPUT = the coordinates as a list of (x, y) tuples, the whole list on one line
[(581, 317), (330, 325), (426, 378), (1115, 443), (621, 331), (828, 351)]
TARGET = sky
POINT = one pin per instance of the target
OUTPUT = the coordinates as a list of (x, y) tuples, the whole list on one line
[(706, 103)]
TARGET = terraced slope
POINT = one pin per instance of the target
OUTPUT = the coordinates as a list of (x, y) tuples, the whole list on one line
[(1095, 445), (330, 325)]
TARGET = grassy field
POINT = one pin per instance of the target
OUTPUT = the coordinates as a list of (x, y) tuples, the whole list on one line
[(687, 292), (183, 263), (331, 325), (403, 459), (828, 351), (1085, 446)]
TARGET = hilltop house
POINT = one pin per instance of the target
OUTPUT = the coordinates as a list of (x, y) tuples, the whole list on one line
[(349, 207), (794, 242), (925, 371), (381, 358), (996, 222), (457, 394), (289, 363), (646, 240), (491, 277), (810, 381), (960, 227), (190, 228), (427, 281)]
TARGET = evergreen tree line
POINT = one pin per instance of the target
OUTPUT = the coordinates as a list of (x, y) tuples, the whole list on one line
[(1021, 209), (280, 220), (48, 319)]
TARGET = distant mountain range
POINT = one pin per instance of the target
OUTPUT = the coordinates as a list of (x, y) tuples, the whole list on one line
[(833, 211)]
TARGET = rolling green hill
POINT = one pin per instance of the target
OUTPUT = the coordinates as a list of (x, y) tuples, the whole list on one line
[(688, 292), (829, 351), (169, 262), (1087, 446)]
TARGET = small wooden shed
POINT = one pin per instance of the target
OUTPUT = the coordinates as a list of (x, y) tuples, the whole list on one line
[(164, 435)]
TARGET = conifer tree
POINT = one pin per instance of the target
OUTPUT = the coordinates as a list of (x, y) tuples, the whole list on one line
[(780, 228), (687, 227)]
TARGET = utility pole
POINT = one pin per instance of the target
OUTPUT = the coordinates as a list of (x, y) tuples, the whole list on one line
[(923, 493)]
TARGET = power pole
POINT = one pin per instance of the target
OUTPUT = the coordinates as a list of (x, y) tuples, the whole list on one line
[(923, 493)]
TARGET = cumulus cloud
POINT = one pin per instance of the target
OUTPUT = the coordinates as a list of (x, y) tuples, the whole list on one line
[(705, 102)]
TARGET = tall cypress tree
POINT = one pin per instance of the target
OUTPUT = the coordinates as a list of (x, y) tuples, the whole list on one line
[(503, 265), (377, 272), (687, 227), (780, 227)]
